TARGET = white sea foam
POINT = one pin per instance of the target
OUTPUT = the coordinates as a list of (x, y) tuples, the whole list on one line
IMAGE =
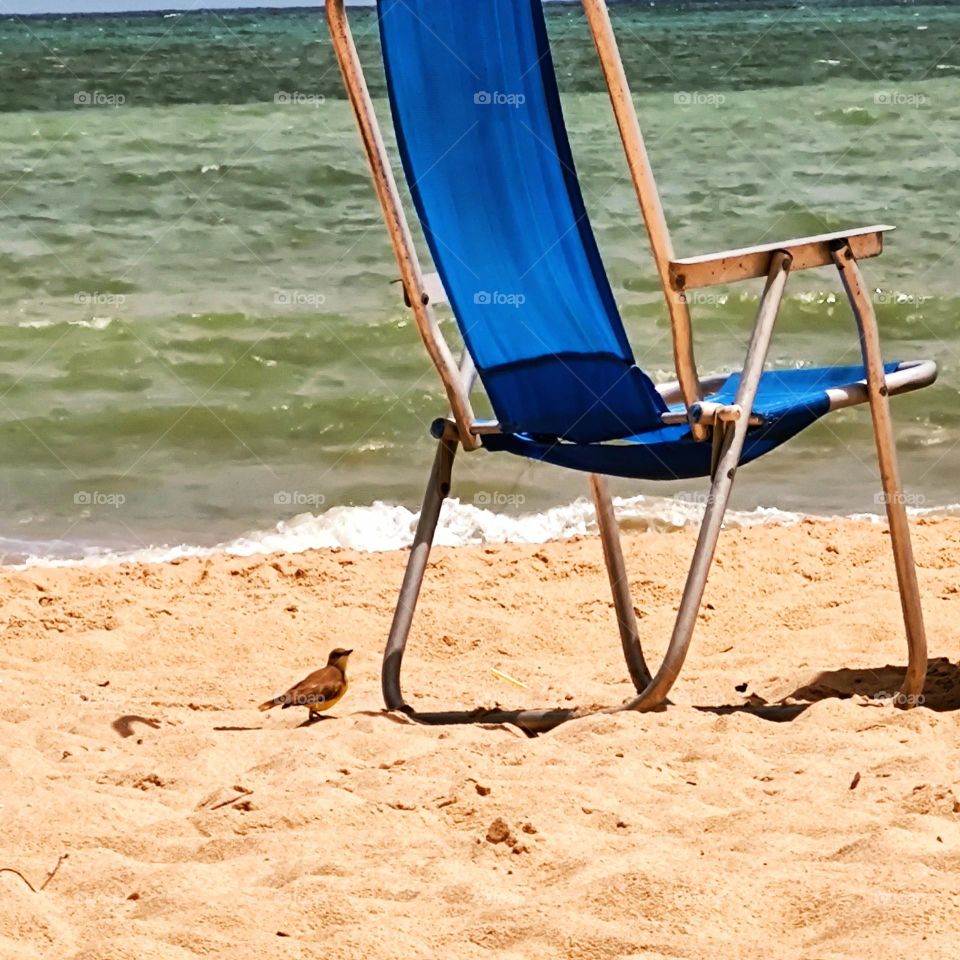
[(93, 323), (380, 527)]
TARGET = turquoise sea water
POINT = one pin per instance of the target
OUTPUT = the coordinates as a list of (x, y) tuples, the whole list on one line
[(198, 332)]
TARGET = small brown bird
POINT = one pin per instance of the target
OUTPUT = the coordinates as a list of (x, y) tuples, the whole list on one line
[(320, 691)]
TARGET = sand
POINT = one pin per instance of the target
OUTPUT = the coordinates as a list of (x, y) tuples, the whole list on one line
[(193, 825)]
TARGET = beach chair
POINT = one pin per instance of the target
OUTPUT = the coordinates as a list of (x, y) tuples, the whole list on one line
[(482, 142)]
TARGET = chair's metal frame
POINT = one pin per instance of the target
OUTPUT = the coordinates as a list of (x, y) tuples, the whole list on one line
[(726, 426)]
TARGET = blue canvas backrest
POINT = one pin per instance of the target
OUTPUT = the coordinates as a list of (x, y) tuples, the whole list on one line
[(485, 153)]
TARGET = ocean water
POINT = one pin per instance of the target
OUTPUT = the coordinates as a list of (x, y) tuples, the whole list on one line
[(200, 339)]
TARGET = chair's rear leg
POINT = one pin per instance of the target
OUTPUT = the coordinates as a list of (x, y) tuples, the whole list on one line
[(866, 318), (438, 486), (619, 584), (726, 459)]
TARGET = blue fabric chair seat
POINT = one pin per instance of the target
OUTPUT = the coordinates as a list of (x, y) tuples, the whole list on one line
[(788, 400)]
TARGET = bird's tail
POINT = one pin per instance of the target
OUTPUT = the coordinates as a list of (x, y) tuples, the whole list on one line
[(267, 704)]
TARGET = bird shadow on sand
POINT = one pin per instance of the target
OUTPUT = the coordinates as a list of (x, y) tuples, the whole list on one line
[(124, 725), (941, 692), (238, 729), (313, 721)]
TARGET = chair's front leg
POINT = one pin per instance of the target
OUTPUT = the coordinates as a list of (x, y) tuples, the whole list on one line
[(438, 486), (910, 692), (726, 461)]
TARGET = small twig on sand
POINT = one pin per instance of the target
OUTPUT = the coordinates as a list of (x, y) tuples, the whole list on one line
[(50, 875), (225, 803), (20, 875)]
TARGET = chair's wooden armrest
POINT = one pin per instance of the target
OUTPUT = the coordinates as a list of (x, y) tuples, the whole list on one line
[(731, 265)]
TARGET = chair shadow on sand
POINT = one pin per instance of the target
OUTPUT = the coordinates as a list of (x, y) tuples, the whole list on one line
[(941, 692)]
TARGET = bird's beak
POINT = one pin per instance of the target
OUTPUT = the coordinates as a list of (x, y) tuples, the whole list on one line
[(346, 653)]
